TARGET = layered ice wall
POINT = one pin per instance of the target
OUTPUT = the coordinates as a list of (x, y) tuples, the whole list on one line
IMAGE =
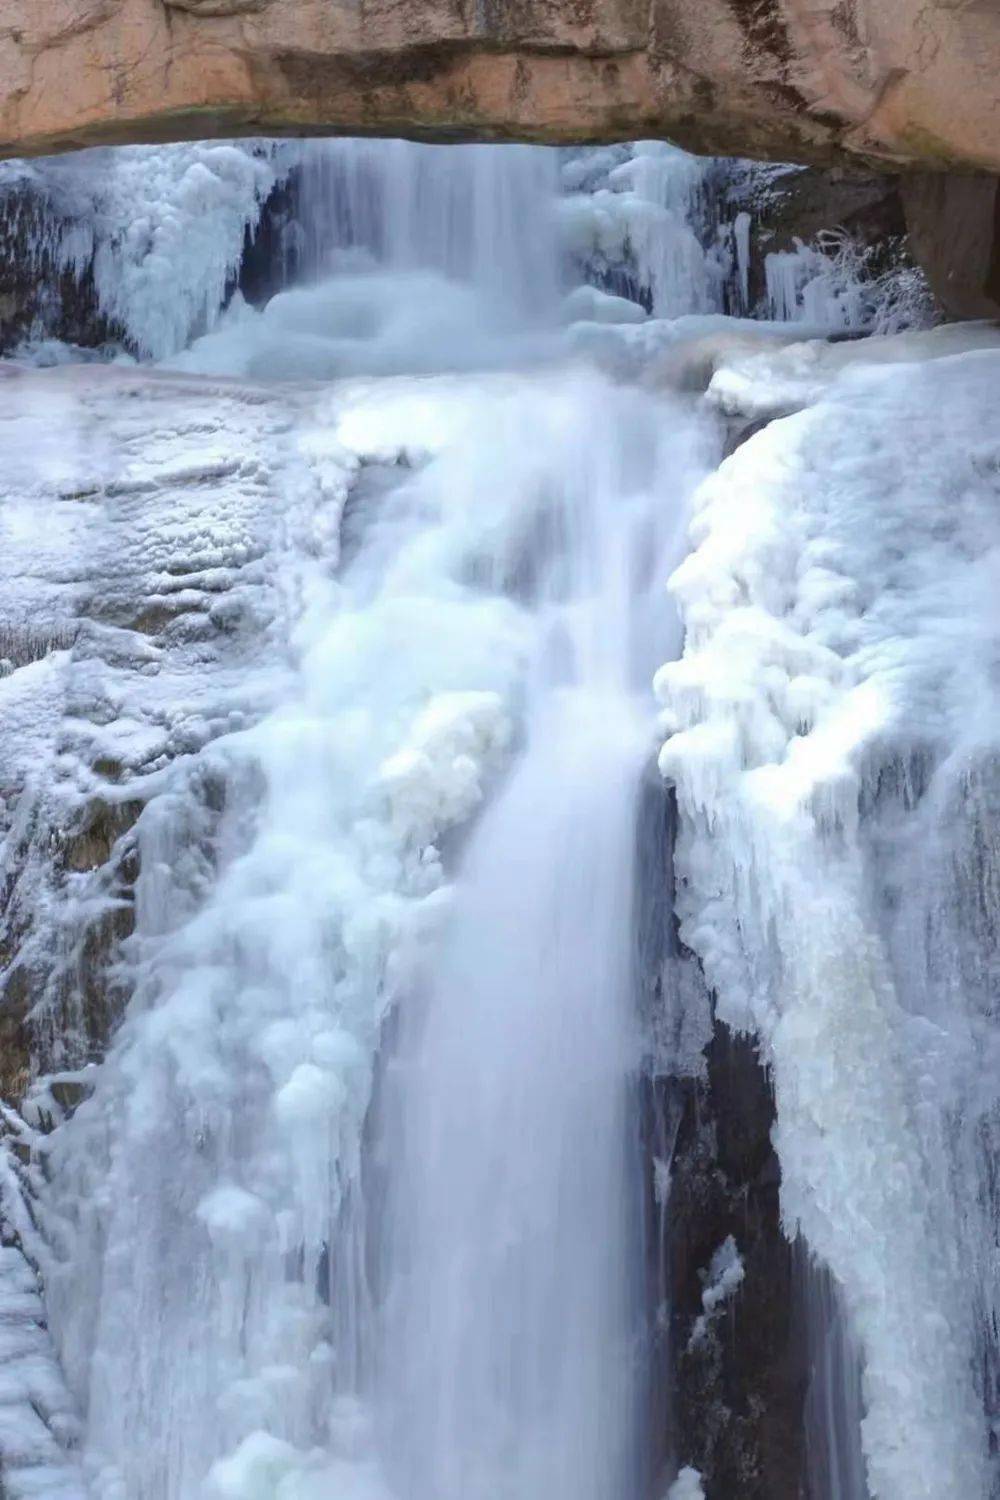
[(161, 230), (831, 284), (144, 620), (156, 238), (831, 735), (630, 217)]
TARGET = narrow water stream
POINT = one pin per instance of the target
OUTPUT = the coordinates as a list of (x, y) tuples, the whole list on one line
[(512, 1330)]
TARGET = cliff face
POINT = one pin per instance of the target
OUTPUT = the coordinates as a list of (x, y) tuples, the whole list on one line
[(913, 83)]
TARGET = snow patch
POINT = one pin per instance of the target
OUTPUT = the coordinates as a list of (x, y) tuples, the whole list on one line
[(723, 1280)]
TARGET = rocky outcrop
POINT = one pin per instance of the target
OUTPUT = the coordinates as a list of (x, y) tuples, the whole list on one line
[(40, 294), (954, 225), (740, 1373), (913, 83)]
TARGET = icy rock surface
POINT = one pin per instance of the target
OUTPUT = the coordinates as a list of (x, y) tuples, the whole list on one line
[(161, 228), (38, 1420), (146, 616), (138, 614), (629, 217), (296, 626), (831, 734)]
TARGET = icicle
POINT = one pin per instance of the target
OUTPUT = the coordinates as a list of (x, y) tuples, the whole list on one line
[(741, 236), (161, 228)]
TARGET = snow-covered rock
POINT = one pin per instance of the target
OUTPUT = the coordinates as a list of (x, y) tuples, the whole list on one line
[(833, 719)]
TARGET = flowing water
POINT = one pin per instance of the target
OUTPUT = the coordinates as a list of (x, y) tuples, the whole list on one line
[(340, 629), (512, 1328), (355, 1205), (476, 216)]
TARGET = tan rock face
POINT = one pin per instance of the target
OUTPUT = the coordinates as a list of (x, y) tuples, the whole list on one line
[(915, 82), (954, 225)]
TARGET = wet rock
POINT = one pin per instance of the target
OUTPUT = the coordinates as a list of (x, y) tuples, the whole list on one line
[(740, 1385), (38, 296), (101, 826), (60, 1005), (68, 1093), (15, 1035), (217, 7)]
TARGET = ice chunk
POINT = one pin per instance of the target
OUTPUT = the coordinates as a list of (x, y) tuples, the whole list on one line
[(725, 1276), (687, 1486)]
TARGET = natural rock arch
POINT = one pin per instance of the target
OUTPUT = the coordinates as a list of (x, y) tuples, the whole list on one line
[(915, 83)]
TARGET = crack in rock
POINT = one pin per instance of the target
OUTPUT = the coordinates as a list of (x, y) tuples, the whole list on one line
[(216, 7)]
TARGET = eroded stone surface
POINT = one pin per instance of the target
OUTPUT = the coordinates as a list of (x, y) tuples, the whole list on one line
[(954, 225), (916, 82)]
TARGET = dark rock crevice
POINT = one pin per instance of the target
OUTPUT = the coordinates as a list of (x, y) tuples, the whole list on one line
[(727, 1391), (741, 1385)]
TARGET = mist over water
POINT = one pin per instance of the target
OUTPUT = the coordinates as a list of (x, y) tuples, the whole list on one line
[(404, 258)]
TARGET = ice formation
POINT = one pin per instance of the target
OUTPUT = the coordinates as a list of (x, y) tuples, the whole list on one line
[(317, 692), (687, 1486), (724, 1277), (629, 212), (236, 1090), (162, 229), (840, 635), (326, 696), (829, 284)]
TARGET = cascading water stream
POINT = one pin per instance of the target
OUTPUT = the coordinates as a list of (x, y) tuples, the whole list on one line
[(511, 1327), (461, 214), (835, 1464), (473, 569), (357, 645), (511, 1333)]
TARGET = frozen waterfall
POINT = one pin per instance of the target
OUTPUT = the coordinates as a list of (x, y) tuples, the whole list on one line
[(470, 603), (338, 658), (503, 1325)]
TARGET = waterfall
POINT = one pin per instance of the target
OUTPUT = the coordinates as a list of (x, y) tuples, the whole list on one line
[(355, 1200), (460, 212), (511, 1338), (384, 977), (835, 1465)]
